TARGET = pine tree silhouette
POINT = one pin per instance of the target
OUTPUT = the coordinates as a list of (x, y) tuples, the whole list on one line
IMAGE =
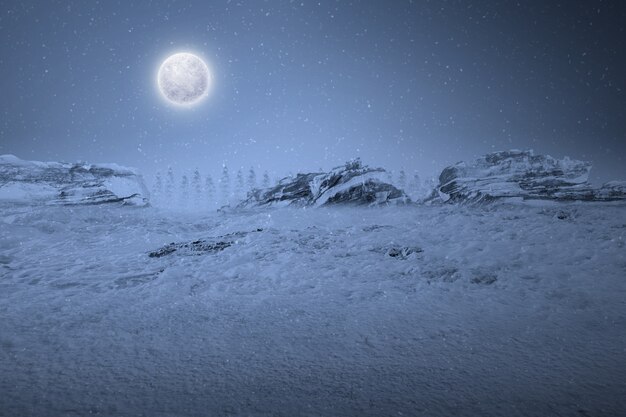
[(225, 185), (266, 180), (169, 185), (196, 185), (402, 179), (209, 189), (416, 185), (251, 179), (184, 191), (239, 185), (158, 187)]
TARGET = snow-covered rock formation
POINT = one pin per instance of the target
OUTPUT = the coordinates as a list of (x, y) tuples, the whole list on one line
[(64, 183), (352, 183), (612, 190), (522, 174)]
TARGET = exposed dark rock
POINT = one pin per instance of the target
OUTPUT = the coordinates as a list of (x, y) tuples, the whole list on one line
[(562, 215), (69, 184), (404, 252), (398, 252), (484, 279), (375, 227), (352, 184), (195, 247), (200, 246)]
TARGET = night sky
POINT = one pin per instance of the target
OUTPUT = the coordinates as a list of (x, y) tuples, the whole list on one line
[(302, 85)]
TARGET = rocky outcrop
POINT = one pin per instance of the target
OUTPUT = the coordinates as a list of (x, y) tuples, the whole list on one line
[(352, 184), (201, 246), (611, 191), (69, 184), (522, 175)]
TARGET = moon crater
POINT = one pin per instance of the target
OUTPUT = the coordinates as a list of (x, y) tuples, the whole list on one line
[(184, 79)]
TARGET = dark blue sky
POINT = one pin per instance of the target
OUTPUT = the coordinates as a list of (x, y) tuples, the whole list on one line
[(301, 85)]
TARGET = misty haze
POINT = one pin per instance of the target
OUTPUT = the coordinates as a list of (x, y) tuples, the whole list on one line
[(312, 209)]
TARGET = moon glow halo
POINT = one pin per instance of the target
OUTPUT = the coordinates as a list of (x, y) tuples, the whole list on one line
[(184, 79)]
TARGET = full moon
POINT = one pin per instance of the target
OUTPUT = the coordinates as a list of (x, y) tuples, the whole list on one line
[(184, 79)]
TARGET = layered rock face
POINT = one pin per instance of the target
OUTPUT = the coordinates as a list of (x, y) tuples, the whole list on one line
[(68, 184), (613, 190), (353, 183), (522, 174)]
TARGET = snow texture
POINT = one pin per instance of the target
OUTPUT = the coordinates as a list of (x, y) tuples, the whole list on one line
[(443, 310), (33, 182), (523, 175)]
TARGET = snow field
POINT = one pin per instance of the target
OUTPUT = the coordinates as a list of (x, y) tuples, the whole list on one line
[(442, 310)]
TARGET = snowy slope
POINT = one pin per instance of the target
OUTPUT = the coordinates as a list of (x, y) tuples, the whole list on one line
[(434, 311)]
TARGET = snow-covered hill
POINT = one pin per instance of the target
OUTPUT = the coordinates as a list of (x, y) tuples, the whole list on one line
[(499, 310), (33, 182)]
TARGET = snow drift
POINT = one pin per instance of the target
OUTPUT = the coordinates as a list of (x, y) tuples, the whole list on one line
[(522, 174), (353, 183), (69, 184)]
